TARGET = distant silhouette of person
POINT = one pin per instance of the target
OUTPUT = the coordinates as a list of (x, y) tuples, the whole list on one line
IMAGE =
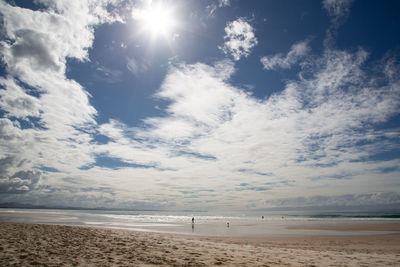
[(192, 220), (262, 217), (227, 224)]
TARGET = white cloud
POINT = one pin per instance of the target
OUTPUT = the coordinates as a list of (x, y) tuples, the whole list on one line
[(317, 134), (223, 3), (337, 9), (239, 39), (311, 135), (296, 53), (198, 92), (136, 66), (20, 182), (15, 160), (374, 200), (58, 118), (16, 102), (109, 75), (61, 35), (212, 8)]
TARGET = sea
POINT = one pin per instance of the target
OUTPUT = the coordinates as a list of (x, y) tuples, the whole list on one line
[(233, 224)]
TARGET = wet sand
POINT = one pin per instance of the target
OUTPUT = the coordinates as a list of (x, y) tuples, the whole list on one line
[(24, 244), (355, 227), (34, 216)]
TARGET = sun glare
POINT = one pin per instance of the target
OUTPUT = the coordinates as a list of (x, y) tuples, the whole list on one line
[(157, 20)]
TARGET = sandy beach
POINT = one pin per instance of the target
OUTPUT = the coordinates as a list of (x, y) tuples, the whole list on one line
[(23, 244)]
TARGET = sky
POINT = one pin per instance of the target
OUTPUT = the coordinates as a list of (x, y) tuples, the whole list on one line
[(200, 104)]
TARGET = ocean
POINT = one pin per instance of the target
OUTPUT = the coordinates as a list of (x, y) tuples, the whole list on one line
[(234, 224)]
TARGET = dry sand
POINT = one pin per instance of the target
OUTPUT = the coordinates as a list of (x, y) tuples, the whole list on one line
[(59, 245)]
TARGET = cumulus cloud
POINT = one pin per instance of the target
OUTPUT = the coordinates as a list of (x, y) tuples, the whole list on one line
[(20, 182), (61, 35), (296, 53), (239, 39), (56, 114), (31, 45), (374, 200)]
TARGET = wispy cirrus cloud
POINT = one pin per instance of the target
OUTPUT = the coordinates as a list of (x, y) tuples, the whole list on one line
[(239, 39), (108, 75), (280, 61), (136, 66), (222, 3), (311, 135), (339, 10), (211, 8)]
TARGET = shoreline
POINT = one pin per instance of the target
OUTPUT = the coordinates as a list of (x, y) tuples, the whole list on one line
[(35, 215), (64, 245), (394, 227), (238, 228)]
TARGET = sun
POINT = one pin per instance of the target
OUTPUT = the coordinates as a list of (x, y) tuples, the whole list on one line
[(157, 20)]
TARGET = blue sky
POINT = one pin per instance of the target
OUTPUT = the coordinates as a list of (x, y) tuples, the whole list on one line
[(200, 105)]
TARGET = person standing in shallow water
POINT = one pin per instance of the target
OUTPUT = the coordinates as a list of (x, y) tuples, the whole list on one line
[(192, 220)]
